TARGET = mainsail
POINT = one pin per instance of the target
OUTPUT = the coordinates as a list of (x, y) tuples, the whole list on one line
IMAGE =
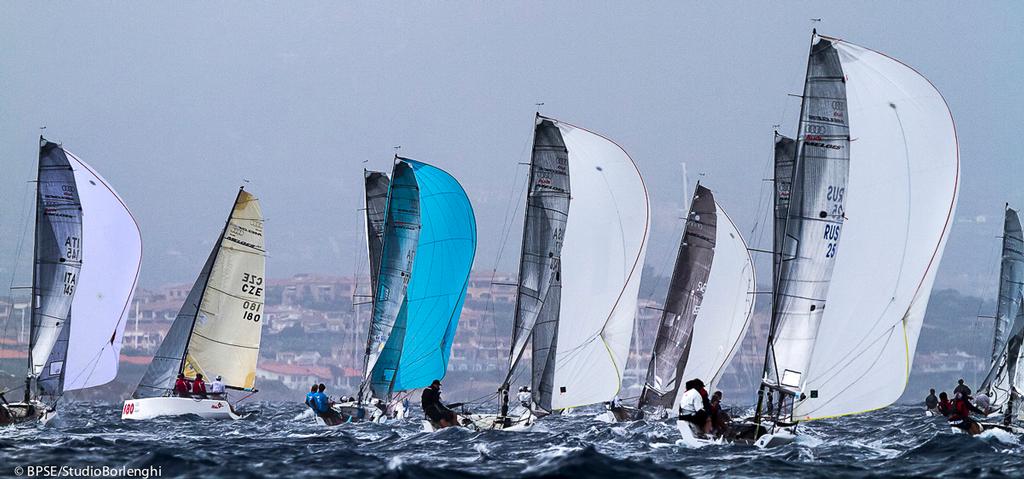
[(580, 265), (428, 246), (88, 350), (1009, 321), (708, 307), (810, 235), (217, 330), (57, 258), (376, 186), (894, 209)]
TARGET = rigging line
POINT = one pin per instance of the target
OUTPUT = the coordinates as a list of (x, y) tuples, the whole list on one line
[(17, 256)]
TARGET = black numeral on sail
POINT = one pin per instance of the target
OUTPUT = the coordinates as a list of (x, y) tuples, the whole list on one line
[(69, 283), (252, 284), (252, 311)]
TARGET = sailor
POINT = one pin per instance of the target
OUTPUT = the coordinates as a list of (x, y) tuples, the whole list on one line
[(433, 408), (199, 387), (309, 397), (944, 407), (616, 402), (719, 418), (961, 389), (321, 403), (961, 415), (181, 386), (691, 408), (931, 402), (524, 397), (983, 402), (217, 388)]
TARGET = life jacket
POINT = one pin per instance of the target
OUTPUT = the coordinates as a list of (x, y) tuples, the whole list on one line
[(960, 409), (198, 387)]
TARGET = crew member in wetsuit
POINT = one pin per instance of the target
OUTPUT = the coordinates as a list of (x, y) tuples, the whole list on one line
[(961, 415), (434, 409), (719, 418), (931, 402), (944, 407)]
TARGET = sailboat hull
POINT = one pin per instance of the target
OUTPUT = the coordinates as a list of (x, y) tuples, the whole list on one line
[(20, 412), (150, 408), (489, 422)]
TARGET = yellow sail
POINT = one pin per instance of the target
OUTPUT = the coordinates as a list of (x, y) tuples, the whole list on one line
[(225, 340)]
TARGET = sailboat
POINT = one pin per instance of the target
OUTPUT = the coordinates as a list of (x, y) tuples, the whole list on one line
[(86, 260), (706, 311), (1004, 378), (421, 242), (585, 236), (876, 162), (217, 330)]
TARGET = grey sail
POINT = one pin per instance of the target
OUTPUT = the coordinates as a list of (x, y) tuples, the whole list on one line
[(538, 293), (58, 254), (376, 188), (685, 294), (51, 378), (1009, 324), (785, 156), (400, 237), (814, 219), (167, 362)]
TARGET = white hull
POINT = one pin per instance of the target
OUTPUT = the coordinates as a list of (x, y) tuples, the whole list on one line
[(780, 437), (34, 411), (689, 434), (489, 422), (149, 408)]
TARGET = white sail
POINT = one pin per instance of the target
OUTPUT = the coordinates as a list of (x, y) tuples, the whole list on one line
[(725, 311), (903, 183), (225, 338), (113, 252), (602, 257)]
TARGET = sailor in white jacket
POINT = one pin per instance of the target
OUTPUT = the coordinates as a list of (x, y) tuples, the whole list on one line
[(692, 407)]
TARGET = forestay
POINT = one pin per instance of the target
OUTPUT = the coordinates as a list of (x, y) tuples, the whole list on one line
[(903, 183), (604, 243)]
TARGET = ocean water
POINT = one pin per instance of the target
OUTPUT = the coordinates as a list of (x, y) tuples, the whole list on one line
[(283, 441)]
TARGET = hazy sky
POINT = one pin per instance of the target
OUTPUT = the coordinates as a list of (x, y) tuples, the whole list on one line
[(175, 103)]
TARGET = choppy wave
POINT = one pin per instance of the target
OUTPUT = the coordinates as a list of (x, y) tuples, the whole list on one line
[(283, 441)]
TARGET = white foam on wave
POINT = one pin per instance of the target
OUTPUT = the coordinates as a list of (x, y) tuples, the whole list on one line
[(395, 463), (1000, 435), (305, 414), (547, 456)]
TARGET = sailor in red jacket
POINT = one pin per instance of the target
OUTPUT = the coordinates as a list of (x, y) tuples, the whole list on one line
[(181, 386), (199, 387)]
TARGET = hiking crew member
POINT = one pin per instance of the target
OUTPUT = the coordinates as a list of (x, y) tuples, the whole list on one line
[(945, 407), (931, 402), (436, 411)]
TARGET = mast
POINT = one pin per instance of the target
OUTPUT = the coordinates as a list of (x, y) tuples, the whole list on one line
[(778, 251), (375, 280), (512, 356), (206, 283), (35, 279)]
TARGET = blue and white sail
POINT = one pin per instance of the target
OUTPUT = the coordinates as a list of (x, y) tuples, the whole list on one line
[(429, 242)]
